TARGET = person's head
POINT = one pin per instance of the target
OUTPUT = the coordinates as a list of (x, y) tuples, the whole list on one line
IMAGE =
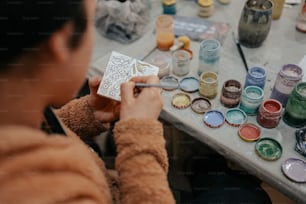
[(48, 40)]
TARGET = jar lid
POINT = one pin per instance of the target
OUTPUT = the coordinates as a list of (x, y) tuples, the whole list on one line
[(295, 169), (171, 82), (268, 149), (200, 105), (214, 118), (168, 2), (189, 84), (249, 132), (235, 117), (181, 100), (205, 2)]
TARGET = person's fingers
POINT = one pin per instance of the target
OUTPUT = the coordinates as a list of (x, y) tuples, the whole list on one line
[(139, 79), (104, 116), (127, 91), (94, 83), (152, 80)]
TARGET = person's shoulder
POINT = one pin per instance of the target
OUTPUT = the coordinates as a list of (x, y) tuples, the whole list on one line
[(30, 158)]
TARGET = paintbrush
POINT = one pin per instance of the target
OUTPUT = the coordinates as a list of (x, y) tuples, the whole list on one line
[(164, 86), (240, 52)]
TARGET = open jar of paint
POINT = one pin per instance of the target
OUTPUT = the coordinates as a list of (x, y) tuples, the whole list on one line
[(164, 27), (269, 113)]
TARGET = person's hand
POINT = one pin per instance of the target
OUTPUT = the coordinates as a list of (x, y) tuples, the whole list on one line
[(146, 103), (105, 109)]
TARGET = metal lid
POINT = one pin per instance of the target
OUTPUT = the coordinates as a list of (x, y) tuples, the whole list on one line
[(214, 118), (168, 2), (295, 169), (200, 105), (171, 81), (235, 117), (181, 100), (189, 84), (205, 2), (249, 132), (268, 149)]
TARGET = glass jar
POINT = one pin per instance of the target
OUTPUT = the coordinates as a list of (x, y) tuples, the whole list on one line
[(208, 84), (209, 56), (301, 19), (295, 112), (286, 79), (251, 99), (206, 8), (164, 27), (269, 113), (277, 8), (231, 93), (255, 22), (169, 7), (256, 76), (162, 62), (180, 62)]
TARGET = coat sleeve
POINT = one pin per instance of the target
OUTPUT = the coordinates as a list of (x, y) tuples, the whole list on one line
[(50, 169), (142, 162), (78, 116)]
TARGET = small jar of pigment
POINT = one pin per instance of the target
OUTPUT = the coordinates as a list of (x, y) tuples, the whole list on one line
[(208, 84), (251, 99), (231, 93), (269, 113), (169, 7), (256, 76), (206, 8)]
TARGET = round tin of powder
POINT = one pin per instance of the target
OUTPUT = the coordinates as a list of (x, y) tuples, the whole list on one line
[(214, 118), (181, 100), (189, 84), (171, 81), (295, 169), (268, 149), (200, 105), (235, 117), (249, 132)]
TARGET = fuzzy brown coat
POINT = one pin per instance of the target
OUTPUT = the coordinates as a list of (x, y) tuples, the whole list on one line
[(36, 168)]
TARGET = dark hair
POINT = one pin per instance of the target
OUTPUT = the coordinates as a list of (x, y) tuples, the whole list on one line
[(24, 24)]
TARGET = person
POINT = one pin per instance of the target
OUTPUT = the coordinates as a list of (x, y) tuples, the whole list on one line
[(45, 51)]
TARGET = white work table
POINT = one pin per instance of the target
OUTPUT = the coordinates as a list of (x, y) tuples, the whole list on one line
[(284, 45)]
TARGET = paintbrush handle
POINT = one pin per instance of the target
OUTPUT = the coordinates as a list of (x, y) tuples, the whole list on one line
[(240, 52), (242, 56), (142, 85)]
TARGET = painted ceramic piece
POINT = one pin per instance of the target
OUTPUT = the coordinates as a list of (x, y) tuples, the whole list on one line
[(300, 146)]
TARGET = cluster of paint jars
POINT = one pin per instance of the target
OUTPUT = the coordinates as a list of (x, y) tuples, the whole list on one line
[(288, 94), (287, 100), (206, 8)]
